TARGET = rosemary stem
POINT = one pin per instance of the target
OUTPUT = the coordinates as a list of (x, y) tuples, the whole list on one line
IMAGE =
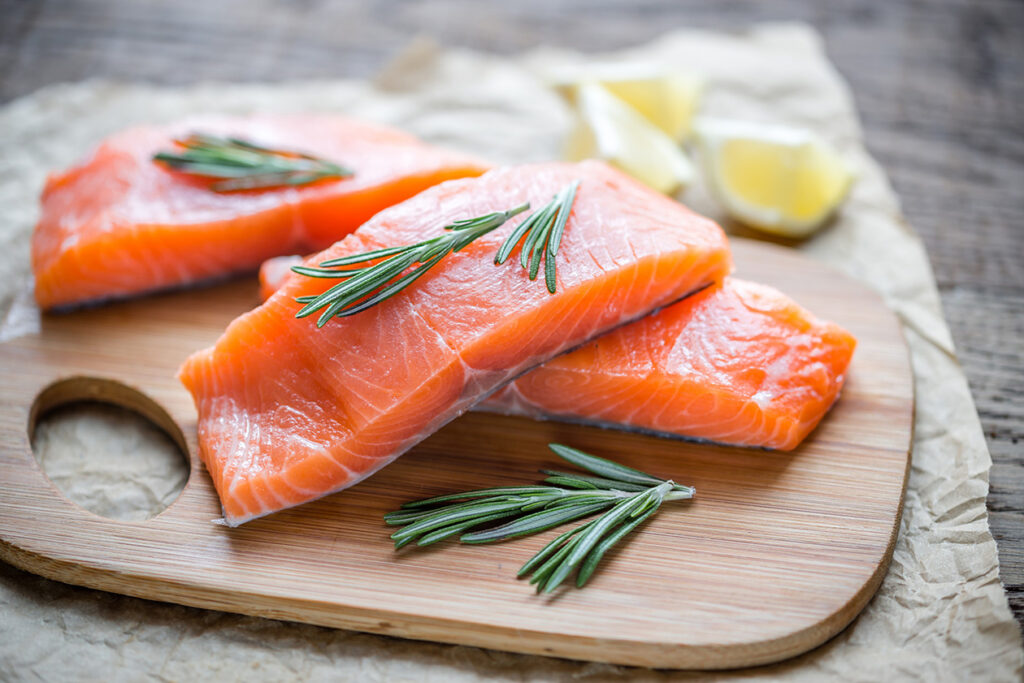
[(240, 165), (364, 287)]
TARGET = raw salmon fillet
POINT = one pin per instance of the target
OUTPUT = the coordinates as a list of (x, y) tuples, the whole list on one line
[(738, 364), (119, 224), (289, 412)]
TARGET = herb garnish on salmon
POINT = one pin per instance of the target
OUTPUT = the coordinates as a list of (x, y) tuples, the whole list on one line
[(244, 165), (543, 231), (118, 224), (367, 286)]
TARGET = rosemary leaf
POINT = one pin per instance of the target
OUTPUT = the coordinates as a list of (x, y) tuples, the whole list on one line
[(364, 257), (549, 273), (594, 558), (535, 523), (480, 493), (452, 517), (571, 482), (597, 482), (537, 233), (505, 250), (456, 529), (544, 572), (604, 468), (550, 548), (528, 501), (563, 217)]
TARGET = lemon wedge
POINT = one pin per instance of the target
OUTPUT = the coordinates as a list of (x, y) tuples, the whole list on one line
[(607, 128), (782, 180), (668, 100)]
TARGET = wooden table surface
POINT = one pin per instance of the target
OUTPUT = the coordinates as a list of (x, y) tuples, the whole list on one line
[(939, 85)]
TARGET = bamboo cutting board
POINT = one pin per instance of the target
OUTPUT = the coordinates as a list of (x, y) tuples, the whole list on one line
[(777, 553)]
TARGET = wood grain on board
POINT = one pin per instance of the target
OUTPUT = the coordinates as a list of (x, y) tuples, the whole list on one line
[(777, 553)]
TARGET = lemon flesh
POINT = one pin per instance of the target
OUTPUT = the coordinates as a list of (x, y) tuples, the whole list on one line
[(782, 180), (668, 100), (607, 128)]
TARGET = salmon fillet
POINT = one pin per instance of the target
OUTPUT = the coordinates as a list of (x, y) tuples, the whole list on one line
[(289, 412), (119, 224), (738, 363)]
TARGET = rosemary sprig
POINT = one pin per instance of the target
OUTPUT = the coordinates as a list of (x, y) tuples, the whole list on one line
[(245, 165), (386, 271), (543, 233), (368, 285), (628, 496)]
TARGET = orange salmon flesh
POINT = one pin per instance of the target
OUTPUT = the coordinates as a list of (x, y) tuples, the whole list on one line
[(738, 363), (289, 412), (119, 224)]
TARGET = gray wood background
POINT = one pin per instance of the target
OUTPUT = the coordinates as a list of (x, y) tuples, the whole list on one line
[(939, 84)]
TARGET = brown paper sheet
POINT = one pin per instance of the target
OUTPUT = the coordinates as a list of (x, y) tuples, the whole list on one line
[(940, 614)]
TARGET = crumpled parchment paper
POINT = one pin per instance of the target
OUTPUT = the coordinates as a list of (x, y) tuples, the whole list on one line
[(940, 614)]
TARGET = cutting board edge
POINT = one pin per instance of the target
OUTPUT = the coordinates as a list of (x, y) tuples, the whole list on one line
[(626, 652)]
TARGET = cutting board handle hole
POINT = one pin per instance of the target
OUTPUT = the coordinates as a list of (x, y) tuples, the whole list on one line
[(108, 448)]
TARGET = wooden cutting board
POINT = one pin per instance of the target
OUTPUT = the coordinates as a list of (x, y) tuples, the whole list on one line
[(777, 553)]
